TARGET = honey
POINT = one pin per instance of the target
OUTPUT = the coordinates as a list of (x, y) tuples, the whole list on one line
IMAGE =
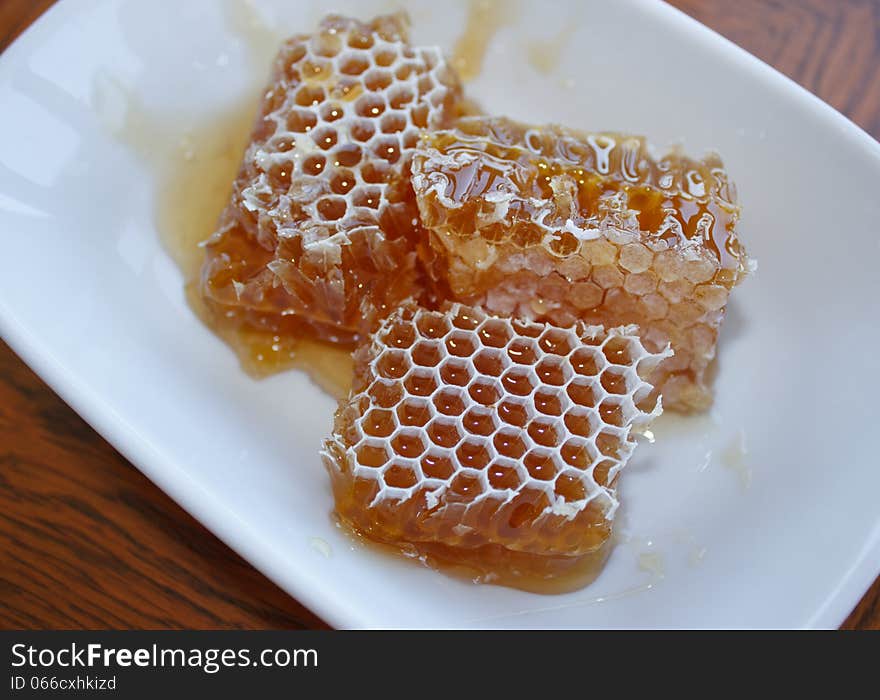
[(510, 472), (320, 232), (550, 224), (510, 293), (484, 19), (194, 185)]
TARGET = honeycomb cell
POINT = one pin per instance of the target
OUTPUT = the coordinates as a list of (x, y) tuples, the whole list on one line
[(393, 363), (347, 155), (444, 433), (378, 423), (548, 402), (510, 443), (309, 95), (465, 488), (540, 465), (556, 342), (608, 445), (614, 382), (369, 197), (330, 112), (450, 401), (583, 392), (421, 382), (385, 58), (342, 182), (503, 477), (388, 149), (414, 411), (586, 295), (318, 235), (514, 464), (353, 64), (607, 277), (362, 130), (377, 80), (400, 476), (544, 432), (617, 351), (523, 351), (479, 421), (461, 343), (495, 333), (455, 371), (593, 227), (635, 257), (393, 123), (331, 208), (490, 362), (553, 371), (325, 138), (473, 455), (436, 466), (517, 381), (399, 98), (408, 443), (583, 422), (570, 487), (585, 361), (612, 413), (432, 325), (513, 413), (372, 455), (314, 165), (575, 453), (426, 354), (400, 336), (484, 391), (385, 394)]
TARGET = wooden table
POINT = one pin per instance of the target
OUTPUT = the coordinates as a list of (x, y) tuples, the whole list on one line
[(86, 541)]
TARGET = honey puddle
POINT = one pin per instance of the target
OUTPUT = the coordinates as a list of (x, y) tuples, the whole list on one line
[(485, 18), (194, 170), (195, 191)]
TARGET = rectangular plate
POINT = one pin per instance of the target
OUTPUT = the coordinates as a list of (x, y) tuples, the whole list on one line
[(762, 514)]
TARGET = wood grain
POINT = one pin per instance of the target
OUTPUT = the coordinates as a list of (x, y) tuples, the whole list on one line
[(86, 541)]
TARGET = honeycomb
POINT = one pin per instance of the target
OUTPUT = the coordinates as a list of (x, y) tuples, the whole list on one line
[(553, 225), (489, 440), (318, 233)]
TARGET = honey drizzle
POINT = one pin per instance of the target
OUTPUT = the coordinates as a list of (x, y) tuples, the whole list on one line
[(485, 18)]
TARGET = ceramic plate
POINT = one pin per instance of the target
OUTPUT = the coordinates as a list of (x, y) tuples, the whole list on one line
[(122, 118)]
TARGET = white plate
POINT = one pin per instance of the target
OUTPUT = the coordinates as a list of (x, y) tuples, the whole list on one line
[(783, 533)]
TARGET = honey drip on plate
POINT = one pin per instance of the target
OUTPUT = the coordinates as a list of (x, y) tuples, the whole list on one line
[(194, 171), (195, 189), (485, 18)]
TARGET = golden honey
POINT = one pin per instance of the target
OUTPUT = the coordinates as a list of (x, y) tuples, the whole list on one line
[(551, 224), (319, 234), (489, 443)]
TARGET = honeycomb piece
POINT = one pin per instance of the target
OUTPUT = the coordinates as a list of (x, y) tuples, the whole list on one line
[(550, 224), (482, 439), (317, 234)]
